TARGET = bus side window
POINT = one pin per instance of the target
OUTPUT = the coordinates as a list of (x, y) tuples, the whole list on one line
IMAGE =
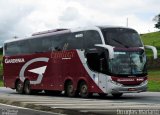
[(91, 38), (12, 48), (24, 47), (35, 46), (63, 41), (75, 41), (58, 46), (6, 49), (47, 44)]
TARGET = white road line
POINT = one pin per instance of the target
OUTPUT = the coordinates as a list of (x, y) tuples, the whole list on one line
[(65, 102), (87, 104), (107, 108), (30, 109)]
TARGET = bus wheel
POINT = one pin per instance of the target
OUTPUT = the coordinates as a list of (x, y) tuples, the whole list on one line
[(19, 87), (69, 90), (27, 87), (84, 90), (117, 95)]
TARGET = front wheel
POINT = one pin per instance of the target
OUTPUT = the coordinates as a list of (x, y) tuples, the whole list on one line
[(27, 88), (117, 95)]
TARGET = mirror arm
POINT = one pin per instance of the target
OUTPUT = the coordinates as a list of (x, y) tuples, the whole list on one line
[(109, 48), (153, 49)]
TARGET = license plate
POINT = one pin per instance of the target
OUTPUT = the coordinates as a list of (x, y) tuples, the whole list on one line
[(131, 89)]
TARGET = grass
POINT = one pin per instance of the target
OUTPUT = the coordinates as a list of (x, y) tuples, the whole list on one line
[(154, 80), (1, 71), (151, 39), (1, 83), (153, 75)]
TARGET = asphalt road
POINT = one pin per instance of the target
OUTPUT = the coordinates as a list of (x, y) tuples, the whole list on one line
[(13, 110), (146, 103)]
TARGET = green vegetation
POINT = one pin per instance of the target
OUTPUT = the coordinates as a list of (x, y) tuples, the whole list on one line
[(154, 80), (1, 83), (152, 39), (1, 71)]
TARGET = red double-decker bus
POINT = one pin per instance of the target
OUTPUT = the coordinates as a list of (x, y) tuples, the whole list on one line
[(83, 61)]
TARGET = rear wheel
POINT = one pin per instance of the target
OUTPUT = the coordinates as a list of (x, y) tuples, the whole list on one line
[(19, 87), (69, 89), (84, 90), (27, 88), (117, 95)]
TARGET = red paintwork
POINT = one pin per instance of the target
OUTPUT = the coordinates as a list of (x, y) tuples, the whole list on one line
[(128, 49), (57, 72), (129, 80)]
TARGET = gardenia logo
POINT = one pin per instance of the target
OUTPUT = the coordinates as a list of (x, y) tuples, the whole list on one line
[(19, 60)]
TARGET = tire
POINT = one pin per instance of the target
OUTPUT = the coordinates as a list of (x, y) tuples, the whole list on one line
[(83, 91), (117, 95), (69, 89), (27, 88), (19, 87)]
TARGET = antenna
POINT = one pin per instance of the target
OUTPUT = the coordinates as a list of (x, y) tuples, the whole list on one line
[(127, 22)]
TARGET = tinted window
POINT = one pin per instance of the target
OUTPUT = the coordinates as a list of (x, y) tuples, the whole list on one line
[(24, 47), (35, 45), (12, 48), (46, 44), (121, 37), (91, 38), (61, 42), (75, 41)]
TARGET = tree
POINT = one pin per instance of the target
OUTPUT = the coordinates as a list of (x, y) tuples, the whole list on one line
[(157, 20)]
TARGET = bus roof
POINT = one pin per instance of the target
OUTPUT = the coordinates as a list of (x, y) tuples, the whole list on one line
[(40, 34), (62, 31)]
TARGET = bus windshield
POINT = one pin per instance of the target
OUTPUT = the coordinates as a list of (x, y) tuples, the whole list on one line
[(128, 63), (121, 37)]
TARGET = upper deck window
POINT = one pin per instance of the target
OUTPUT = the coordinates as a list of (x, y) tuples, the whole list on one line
[(121, 37)]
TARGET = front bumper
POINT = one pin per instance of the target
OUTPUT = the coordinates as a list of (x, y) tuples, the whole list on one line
[(114, 87)]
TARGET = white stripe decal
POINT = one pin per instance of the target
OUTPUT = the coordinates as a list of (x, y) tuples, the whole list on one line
[(23, 69), (93, 75)]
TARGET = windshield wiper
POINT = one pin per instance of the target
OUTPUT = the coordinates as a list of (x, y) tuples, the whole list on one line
[(121, 43)]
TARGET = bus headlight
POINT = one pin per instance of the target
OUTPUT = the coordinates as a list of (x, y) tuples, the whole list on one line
[(144, 82), (113, 82)]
